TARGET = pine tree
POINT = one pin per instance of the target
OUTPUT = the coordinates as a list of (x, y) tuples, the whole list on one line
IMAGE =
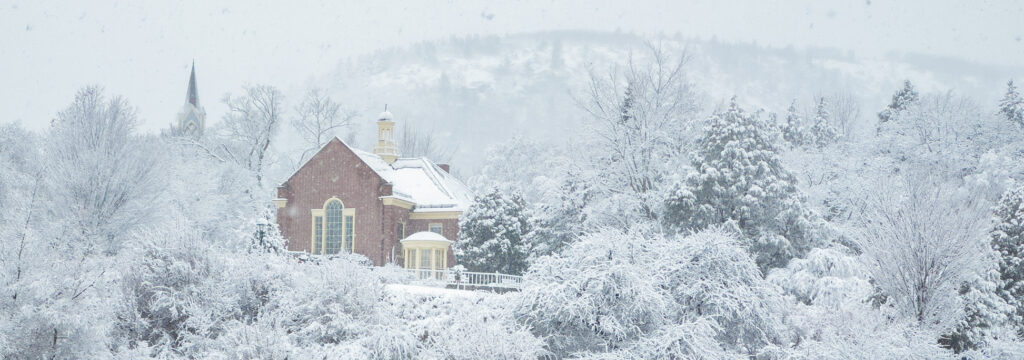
[(822, 133), (492, 234), (739, 181), (1012, 105), (1008, 240), (985, 311), (901, 100), (792, 131)]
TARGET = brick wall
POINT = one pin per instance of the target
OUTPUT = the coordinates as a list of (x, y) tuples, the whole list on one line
[(335, 171)]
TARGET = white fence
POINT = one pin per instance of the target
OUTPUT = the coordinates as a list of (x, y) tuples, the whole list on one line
[(461, 279)]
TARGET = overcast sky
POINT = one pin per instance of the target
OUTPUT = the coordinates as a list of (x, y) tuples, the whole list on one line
[(142, 49)]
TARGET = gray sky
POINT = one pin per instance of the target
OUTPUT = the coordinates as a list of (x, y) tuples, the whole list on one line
[(142, 49)]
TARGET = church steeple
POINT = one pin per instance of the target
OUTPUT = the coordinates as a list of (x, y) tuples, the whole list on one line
[(192, 97), (192, 118)]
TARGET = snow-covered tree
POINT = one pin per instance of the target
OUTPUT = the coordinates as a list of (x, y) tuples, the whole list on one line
[(103, 176), (318, 119), (792, 129), (821, 133), (1012, 105), (427, 142), (845, 111), (985, 313), (561, 221), (901, 100), (944, 133), (834, 316), (492, 234), (640, 114), (92, 186), (740, 181), (536, 168), (252, 122), (921, 243), (1008, 241)]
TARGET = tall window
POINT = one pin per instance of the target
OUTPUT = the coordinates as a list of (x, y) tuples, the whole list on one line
[(400, 231), (349, 227), (318, 234), (333, 228)]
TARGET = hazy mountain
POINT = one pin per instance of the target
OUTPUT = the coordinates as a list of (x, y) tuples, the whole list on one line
[(472, 92)]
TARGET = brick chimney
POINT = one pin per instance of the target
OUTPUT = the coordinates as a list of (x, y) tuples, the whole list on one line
[(445, 167)]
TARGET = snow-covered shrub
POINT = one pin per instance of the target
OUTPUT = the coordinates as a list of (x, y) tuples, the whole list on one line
[(856, 330), (255, 340), (170, 276), (709, 275), (389, 339), (456, 324), (180, 292), (479, 332), (826, 277), (328, 303), (687, 340), (597, 295), (614, 292)]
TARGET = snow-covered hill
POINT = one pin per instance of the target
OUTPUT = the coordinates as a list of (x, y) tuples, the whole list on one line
[(472, 92)]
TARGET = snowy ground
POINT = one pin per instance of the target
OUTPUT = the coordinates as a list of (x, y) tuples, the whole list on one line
[(431, 291)]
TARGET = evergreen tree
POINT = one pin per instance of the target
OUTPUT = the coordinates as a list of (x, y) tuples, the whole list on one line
[(1012, 105), (984, 310), (822, 133), (1008, 240), (901, 100), (492, 234), (792, 130), (739, 181)]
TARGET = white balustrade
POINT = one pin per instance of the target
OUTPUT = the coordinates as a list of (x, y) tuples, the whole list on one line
[(468, 278)]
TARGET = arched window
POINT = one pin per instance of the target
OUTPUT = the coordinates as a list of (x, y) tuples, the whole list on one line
[(333, 229)]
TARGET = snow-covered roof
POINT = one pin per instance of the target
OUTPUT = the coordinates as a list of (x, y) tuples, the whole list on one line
[(421, 182), (426, 236)]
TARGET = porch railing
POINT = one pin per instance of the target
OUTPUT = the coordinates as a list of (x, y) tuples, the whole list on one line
[(468, 278)]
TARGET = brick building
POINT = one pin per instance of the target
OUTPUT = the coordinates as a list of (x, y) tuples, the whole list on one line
[(345, 200)]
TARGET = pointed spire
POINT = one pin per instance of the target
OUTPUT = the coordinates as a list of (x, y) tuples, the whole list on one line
[(192, 97)]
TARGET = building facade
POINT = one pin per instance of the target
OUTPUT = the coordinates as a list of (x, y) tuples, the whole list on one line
[(345, 200)]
